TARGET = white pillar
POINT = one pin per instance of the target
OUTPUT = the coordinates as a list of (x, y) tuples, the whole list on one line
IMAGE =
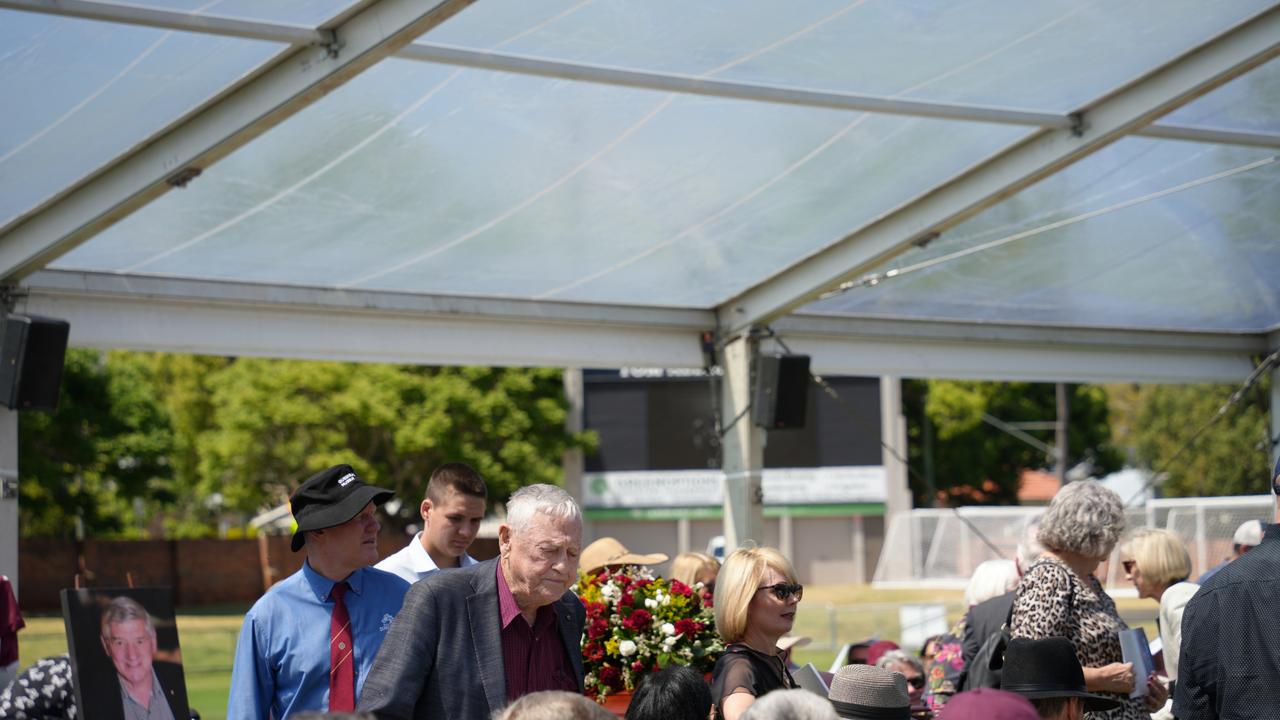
[(9, 495), (860, 550), (743, 447), (893, 432), (572, 461)]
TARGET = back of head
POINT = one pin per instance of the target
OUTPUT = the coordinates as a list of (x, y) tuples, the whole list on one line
[(1029, 547), (737, 583), (459, 477), (554, 705), (988, 704), (688, 566), (990, 579), (1084, 517), (676, 693), (898, 657), (790, 705)]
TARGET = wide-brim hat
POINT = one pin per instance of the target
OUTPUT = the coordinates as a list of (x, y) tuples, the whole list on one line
[(329, 498), (787, 642), (867, 692), (608, 551), (1048, 668)]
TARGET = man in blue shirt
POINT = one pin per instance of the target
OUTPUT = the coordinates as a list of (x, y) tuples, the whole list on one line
[(308, 643)]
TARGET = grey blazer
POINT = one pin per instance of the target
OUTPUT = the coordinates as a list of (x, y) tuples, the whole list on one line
[(442, 657)]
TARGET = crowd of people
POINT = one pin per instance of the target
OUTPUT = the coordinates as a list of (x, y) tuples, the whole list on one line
[(429, 632)]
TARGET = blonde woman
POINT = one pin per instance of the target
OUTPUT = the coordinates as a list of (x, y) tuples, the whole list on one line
[(692, 568), (756, 599), (1157, 563)]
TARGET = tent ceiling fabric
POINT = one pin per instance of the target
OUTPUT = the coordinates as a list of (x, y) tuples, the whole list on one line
[(428, 179)]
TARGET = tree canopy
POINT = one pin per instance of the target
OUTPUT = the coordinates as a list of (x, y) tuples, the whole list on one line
[(144, 441)]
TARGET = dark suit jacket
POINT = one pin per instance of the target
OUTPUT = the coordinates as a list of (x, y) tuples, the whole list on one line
[(101, 691), (984, 619), (442, 657)]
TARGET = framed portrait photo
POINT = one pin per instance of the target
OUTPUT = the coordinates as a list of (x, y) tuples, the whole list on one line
[(125, 660)]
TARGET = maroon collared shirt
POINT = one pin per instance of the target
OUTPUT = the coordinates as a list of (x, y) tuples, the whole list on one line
[(534, 658)]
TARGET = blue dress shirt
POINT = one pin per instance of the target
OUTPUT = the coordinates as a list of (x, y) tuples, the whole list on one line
[(282, 656)]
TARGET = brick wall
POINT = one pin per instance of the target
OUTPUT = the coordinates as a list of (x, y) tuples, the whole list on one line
[(201, 572)]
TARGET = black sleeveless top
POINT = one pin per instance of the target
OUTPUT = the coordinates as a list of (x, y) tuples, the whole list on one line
[(743, 667)]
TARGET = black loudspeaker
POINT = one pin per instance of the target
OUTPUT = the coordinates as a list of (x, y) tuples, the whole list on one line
[(32, 351), (781, 392)]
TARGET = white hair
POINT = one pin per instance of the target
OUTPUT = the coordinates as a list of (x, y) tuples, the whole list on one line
[(1084, 518), (990, 579), (893, 657), (791, 705), (1029, 547), (547, 499)]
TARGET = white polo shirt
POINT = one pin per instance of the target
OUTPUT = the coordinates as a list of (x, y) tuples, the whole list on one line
[(413, 563)]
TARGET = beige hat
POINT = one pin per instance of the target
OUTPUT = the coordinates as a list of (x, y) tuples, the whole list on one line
[(608, 551), (1249, 533), (866, 691), (786, 642)]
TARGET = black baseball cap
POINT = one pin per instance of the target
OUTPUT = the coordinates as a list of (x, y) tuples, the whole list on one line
[(331, 497)]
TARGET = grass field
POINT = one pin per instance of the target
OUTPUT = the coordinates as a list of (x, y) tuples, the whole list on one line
[(845, 612)]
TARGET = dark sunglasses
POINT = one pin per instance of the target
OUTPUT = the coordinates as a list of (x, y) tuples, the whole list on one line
[(783, 591), (1129, 565), (916, 682)]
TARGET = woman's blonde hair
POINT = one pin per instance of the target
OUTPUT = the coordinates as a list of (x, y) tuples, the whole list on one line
[(737, 583), (688, 566), (1161, 555)]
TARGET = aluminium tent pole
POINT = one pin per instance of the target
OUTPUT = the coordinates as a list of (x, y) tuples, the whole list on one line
[(742, 446)]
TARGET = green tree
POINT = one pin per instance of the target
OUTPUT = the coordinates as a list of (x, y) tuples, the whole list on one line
[(974, 462), (1231, 456), (107, 446), (274, 423)]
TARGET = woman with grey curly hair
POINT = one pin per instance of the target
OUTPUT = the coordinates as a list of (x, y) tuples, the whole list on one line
[(1060, 596)]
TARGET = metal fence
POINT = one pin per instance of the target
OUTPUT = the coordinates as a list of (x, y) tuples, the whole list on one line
[(941, 548)]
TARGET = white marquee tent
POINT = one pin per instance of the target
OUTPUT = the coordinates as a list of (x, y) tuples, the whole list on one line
[(1061, 190)]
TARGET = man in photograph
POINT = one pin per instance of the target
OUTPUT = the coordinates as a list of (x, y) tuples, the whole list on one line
[(129, 639), (451, 515)]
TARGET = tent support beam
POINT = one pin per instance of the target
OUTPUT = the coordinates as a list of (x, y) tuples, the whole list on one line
[(624, 77), (1126, 109), (741, 445), (209, 134)]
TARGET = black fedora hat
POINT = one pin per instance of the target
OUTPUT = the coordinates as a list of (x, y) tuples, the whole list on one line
[(331, 497), (1048, 668)]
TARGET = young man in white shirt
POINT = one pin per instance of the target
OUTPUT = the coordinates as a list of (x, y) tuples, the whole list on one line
[(451, 513)]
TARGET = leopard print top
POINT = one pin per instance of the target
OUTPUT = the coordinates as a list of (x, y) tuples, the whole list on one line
[(1053, 601)]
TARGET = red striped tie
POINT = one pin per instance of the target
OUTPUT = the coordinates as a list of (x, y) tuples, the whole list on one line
[(342, 677)]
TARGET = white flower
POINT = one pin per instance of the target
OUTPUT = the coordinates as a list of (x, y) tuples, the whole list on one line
[(668, 629), (668, 643), (627, 648), (650, 603), (609, 591)]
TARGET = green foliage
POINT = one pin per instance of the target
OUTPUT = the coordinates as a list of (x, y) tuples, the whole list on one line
[(975, 462), (107, 446), (276, 422), (1231, 457), (153, 443)]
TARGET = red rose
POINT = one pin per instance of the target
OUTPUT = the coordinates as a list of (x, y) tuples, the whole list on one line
[(637, 666), (610, 677), (598, 628), (688, 627), (680, 588), (593, 652), (643, 582), (638, 620), (627, 600)]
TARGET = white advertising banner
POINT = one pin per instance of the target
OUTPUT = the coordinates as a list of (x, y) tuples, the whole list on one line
[(705, 488)]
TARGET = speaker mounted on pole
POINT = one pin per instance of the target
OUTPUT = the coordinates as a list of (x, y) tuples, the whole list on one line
[(33, 350), (781, 397)]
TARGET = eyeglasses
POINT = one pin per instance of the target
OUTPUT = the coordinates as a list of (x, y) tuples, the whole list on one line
[(783, 591), (1129, 565), (916, 682)]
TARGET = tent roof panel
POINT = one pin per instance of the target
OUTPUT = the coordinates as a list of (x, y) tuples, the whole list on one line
[(1145, 233), (90, 91)]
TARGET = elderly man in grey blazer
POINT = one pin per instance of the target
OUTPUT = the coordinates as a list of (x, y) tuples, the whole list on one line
[(468, 642)]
